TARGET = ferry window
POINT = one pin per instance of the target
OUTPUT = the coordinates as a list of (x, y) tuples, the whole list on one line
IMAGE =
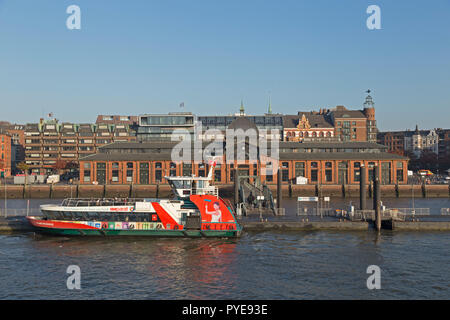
[(173, 165), (187, 184), (87, 165), (115, 165), (130, 165), (158, 165), (178, 184)]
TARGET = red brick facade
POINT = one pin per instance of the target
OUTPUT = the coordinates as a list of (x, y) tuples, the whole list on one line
[(323, 171), (5, 155)]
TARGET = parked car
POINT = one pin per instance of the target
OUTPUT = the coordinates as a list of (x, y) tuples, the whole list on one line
[(54, 178), (425, 173)]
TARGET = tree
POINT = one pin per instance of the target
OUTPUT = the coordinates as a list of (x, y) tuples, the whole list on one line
[(428, 160), (59, 165), (65, 165), (71, 165), (22, 166), (413, 160)]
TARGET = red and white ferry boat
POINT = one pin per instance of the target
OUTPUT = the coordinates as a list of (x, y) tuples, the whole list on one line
[(195, 211)]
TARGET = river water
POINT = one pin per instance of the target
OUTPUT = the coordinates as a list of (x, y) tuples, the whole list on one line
[(268, 265)]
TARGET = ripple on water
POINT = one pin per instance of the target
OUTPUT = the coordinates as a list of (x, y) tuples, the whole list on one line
[(270, 265)]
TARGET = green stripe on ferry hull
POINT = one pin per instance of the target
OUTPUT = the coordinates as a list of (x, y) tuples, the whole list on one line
[(151, 233)]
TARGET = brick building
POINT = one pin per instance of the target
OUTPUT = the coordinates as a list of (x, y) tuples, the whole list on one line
[(393, 140), (337, 124), (16, 131), (320, 162), (306, 125), (116, 119), (5, 154)]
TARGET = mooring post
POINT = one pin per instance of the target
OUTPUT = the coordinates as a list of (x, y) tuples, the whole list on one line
[(362, 187), (279, 196), (376, 197), (236, 187)]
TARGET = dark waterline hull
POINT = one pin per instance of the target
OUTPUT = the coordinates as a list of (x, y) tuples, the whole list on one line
[(140, 233)]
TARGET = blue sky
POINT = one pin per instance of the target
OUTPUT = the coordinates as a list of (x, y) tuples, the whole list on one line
[(134, 57)]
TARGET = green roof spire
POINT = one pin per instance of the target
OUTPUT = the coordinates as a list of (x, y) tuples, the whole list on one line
[(242, 110), (270, 107)]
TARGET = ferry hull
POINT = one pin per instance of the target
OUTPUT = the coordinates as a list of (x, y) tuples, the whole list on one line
[(59, 228), (139, 233)]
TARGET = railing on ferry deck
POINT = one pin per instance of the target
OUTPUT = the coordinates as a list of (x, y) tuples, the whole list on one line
[(75, 202), (210, 190)]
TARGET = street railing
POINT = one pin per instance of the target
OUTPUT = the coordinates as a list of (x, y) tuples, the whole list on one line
[(20, 212), (408, 211)]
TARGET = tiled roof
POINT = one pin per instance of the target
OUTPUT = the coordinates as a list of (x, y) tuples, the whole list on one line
[(315, 120), (351, 114)]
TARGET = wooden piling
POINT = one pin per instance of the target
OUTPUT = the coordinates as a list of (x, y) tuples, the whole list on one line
[(376, 197), (362, 187), (236, 187), (279, 191)]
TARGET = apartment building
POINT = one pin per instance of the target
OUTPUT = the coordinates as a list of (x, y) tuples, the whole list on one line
[(48, 144)]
